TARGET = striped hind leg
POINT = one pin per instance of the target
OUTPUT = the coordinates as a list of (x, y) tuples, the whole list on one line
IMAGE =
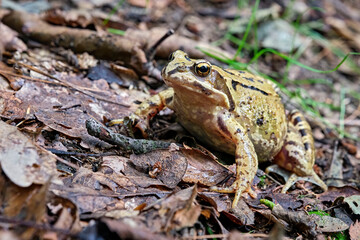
[(298, 153)]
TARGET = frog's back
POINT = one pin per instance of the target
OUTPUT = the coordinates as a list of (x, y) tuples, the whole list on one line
[(258, 108)]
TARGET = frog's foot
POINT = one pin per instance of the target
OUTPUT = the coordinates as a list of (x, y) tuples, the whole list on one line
[(115, 122), (237, 189), (133, 118), (136, 121), (292, 178)]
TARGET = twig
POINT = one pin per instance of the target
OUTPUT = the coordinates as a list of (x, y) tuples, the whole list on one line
[(150, 53), (59, 152), (110, 47), (138, 146)]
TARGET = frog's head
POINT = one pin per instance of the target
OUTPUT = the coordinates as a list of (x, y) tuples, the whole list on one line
[(192, 76)]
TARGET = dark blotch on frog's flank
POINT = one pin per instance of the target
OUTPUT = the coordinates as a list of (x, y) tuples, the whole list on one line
[(303, 132), (222, 126), (306, 146), (297, 120), (260, 121)]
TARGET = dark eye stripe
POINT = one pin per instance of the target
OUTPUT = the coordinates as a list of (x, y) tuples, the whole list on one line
[(172, 72)]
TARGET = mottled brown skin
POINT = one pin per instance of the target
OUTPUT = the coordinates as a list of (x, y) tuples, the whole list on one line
[(234, 112)]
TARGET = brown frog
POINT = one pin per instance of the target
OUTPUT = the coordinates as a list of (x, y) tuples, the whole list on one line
[(238, 113)]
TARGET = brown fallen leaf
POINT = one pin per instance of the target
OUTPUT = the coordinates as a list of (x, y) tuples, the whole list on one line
[(203, 169), (65, 212), (243, 213), (306, 224), (335, 192), (65, 110), (354, 231), (11, 107), (131, 230), (175, 211), (25, 205), (23, 162), (170, 167)]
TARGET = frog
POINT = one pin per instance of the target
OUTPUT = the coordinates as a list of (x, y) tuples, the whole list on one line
[(235, 112)]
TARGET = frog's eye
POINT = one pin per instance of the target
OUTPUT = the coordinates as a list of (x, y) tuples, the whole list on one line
[(171, 56), (202, 69)]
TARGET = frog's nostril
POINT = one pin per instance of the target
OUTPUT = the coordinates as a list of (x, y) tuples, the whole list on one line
[(181, 68)]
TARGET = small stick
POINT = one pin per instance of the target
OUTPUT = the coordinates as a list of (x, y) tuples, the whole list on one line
[(150, 53), (138, 146)]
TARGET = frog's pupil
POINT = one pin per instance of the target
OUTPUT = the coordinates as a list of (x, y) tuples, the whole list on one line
[(203, 69)]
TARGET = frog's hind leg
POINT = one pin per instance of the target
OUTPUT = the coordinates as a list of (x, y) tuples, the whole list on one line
[(298, 153), (245, 159)]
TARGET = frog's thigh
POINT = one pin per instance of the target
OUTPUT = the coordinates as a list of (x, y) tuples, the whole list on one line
[(245, 157), (298, 153)]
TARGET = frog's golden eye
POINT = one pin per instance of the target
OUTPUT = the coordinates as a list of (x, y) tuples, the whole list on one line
[(171, 56), (203, 69)]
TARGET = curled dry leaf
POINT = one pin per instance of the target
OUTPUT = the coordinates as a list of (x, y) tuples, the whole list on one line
[(334, 192), (176, 211), (22, 161), (24, 204), (66, 212), (203, 169), (244, 213), (168, 167)]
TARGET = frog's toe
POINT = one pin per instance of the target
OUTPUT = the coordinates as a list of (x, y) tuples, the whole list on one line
[(314, 178), (231, 189), (115, 122), (251, 192)]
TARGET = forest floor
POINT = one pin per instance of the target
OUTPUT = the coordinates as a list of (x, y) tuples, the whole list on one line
[(69, 67)]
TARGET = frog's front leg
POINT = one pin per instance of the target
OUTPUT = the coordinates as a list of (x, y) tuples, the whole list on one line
[(148, 109), (298, 153), (245, 158)]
